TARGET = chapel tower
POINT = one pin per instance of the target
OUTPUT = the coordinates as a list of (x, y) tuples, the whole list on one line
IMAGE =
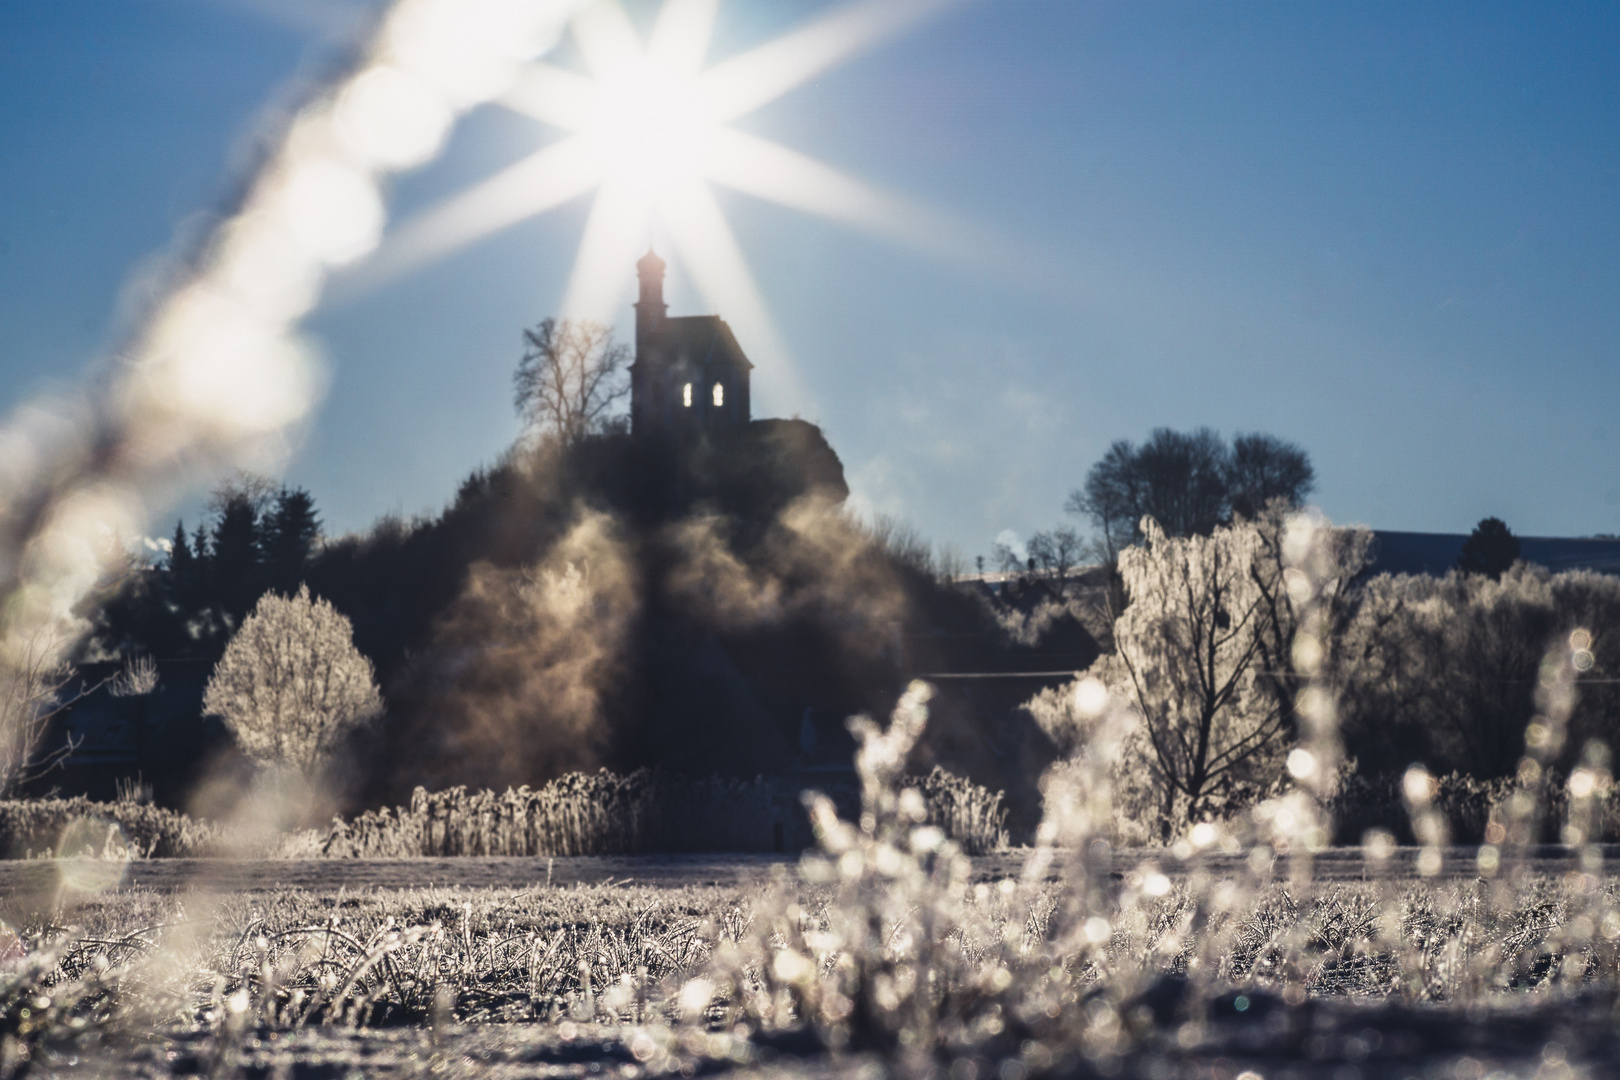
[(690, 376)]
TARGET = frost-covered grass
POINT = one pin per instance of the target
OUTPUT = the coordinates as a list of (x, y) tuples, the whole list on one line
[(880, 944), (646, 811), (897, 960), (601, 813)]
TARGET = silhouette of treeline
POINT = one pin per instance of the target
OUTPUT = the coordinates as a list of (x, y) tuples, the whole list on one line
[(1188, 482), (729, 615), (257, 541)]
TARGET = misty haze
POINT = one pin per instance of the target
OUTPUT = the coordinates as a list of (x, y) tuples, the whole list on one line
[(809, 538)]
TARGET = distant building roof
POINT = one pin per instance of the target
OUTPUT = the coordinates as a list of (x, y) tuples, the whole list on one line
[(1436, 553)]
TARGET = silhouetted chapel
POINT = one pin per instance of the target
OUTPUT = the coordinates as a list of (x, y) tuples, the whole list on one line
[(690, 375)]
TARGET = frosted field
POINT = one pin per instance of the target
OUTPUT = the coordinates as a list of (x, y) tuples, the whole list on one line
[(673, 871), (493, 972)]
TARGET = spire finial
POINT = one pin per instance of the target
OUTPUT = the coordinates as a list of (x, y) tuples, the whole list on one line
[(650, 265)]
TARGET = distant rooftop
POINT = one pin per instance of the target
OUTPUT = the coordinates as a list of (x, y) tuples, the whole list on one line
[(1421, 553), (1436, 553)]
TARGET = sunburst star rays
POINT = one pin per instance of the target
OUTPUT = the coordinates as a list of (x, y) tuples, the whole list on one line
[(646, 129)]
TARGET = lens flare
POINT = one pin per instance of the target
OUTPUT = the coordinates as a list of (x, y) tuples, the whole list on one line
[(332, 209), (393, 118), (92, 856), (216, 376)]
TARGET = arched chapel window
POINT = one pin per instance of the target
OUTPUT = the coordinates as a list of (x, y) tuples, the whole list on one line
[(719, 395), (686, 395)]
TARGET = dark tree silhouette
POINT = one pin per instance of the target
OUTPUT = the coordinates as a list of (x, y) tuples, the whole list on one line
[(234, 565), (1490, 550), (1263, 468), (1111, 498), (1189, 482), (256, 538), (181, 561), (1183, 480), (289, 533)]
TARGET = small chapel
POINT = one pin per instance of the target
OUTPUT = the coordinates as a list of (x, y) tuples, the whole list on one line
[(689, 377)]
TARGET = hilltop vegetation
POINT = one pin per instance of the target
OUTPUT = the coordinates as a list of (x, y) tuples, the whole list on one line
[(592, 604)]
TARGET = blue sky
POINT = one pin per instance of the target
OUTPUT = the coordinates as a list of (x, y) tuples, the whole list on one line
[(1388, 232)]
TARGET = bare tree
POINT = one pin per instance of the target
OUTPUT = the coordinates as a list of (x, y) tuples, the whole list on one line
[(249, 488), (570, 377), (291, 682), (1112, 499), (1188, 482), (902, 542), (1263, 469), (1057, 553), (34, 688), (1183, 478)]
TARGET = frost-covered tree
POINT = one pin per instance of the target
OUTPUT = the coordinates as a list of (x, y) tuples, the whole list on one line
[(1445, 670), (1189, 657), (1205, 653), (291, 682)]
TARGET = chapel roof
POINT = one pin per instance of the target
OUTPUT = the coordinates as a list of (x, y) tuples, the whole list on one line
[(704, 338)]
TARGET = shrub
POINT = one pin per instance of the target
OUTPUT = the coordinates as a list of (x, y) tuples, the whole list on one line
[(1444, 670), (598, 813), (291, 682), (122, 829), (972, 816), (603, 813)]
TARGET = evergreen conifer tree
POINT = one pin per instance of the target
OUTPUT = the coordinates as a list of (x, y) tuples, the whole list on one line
[(181, 561), (288, 536), (1491, 549), (236, 561)]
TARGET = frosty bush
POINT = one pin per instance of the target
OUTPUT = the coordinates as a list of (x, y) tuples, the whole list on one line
[(291, 682), (1444, 670), (603, 813)]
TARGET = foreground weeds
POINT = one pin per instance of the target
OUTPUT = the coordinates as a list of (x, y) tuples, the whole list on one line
[(882, 948), (600, 813), (986, 970)]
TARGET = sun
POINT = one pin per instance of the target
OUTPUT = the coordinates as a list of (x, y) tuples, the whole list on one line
[(651, 129), (646, 126)]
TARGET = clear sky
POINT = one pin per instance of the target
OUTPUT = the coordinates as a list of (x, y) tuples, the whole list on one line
[(1389, 232)]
